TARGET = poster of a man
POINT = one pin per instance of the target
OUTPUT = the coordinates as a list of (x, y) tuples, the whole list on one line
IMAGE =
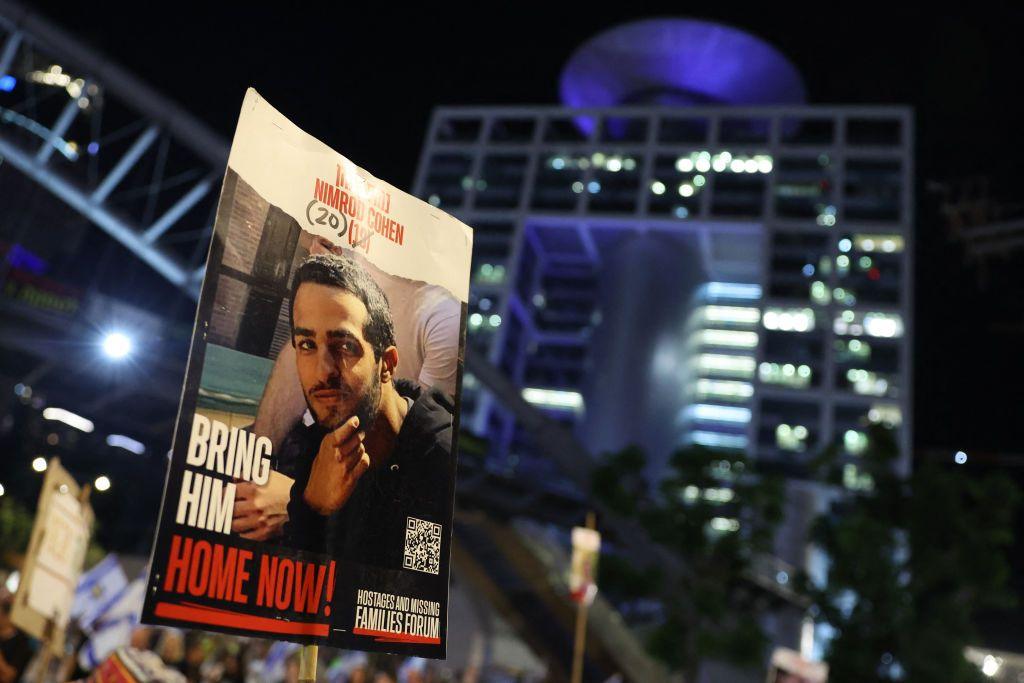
[(311, 487), (379, 449), (426, 323)]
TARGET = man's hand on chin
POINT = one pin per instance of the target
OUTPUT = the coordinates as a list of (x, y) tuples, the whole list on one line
[(261, 511), (337, 467)]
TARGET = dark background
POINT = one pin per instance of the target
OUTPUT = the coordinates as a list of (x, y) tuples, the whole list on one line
[(364, 80)]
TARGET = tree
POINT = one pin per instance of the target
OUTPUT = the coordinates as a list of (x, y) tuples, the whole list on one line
[(712, 512), (911, 561)]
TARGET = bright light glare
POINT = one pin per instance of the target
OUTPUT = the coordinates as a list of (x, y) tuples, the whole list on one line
[(127, 443), (717, 413), (39, 464), (990, 667), (68, 418), (102, 483), (117, 345), (554, 398)]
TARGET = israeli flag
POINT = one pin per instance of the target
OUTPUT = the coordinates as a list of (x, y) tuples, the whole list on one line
[(273, 663), (97, 590), (113, 629)]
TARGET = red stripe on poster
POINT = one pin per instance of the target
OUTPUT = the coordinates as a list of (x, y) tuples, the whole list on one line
[(388, 637), (220, 617)]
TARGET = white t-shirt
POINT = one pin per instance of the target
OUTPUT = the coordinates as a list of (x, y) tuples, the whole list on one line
[(427, 319)]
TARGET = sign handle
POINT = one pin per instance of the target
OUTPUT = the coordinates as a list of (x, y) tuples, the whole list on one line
[(307, 664), (44, 652), (580, 641)]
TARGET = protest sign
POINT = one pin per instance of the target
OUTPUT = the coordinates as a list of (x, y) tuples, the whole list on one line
[(56, 552), (586, 549), (788, 666), (311, 484)]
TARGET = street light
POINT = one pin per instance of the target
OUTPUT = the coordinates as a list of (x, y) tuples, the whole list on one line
[(102, 483), (117, 345), (39, 464)]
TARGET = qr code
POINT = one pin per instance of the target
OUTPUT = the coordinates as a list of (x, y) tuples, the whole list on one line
[(422, 546)]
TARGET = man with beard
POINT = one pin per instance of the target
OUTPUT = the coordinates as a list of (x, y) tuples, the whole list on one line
[(376, 450)]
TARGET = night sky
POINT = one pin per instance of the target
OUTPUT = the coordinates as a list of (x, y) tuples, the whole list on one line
[(364, 80)]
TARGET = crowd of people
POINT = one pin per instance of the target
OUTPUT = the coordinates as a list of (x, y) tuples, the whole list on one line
[(200, 657)]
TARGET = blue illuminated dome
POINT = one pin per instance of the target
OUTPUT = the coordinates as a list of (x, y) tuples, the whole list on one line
[(678, 62)]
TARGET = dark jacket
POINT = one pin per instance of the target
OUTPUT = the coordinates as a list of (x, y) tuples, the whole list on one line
[(416, 481)]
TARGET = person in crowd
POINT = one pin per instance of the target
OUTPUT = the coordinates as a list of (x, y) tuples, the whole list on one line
[(15, 648)]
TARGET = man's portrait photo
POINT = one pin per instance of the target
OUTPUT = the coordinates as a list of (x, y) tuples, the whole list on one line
[(350, 371), (376, 449)]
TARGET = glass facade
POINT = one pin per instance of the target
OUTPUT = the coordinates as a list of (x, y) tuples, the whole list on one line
[(779, 238)]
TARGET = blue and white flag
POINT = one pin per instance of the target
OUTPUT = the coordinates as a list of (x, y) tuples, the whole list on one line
[(274, 662), (113, 628), (97, 590)]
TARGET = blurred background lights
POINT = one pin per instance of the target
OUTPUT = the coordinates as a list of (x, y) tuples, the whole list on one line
[(960, 457), (102, 483), (39, 464), (127, 443), (68, 418), (117, 345), (990, 666)]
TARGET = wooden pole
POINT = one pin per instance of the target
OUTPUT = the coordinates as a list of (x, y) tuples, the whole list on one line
[(580, 641), (307, 664), (45, 653)]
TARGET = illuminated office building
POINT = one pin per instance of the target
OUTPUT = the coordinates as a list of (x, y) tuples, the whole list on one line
[(685, 252)]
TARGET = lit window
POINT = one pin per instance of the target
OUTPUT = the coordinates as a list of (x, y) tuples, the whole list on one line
[(855, 442), (724, 389), (791, 438), (819, 293), (871, 323), (785, 374), (554, 398), (741, 366), (854, 480), (717, 440), (731, 290), (889, 244), (713, 413), (883, 325), (867, 383), (789, 319), (733, 338), (724, 524), (491, 274), (731, 314), (718, 495), (885, 414)]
